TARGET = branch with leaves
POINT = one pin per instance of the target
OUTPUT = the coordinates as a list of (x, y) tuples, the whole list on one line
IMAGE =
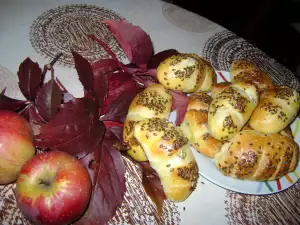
[(88, 128)]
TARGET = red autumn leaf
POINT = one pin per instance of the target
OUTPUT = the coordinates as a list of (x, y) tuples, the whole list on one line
[(100, 70), (107, 172), (180, 104), (135, 70), (152, 65), (117, 110), (146, 80), (47, 100), (153, 186), (135, 42), (29, 78), (116, 128), (161, 56), (104, 45), (34, 118), (118, 83), (74, 129), (85, 72), (10, 103)]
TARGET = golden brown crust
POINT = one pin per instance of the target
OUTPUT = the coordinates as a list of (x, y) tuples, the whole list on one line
[(252, 155), (219, 87), (154, 101), (230, 110), (243, 71), (276, 109), (169, 153), (260, 79), (187, 73), (135, 150), (240, 65), (199, 101), (194, 125), (286, 131)]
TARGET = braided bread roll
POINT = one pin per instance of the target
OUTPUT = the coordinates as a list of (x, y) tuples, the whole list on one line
[(170, 155), (187, 73), (154, 101), (243, 71), (252, 155), (230, 110), (276, 109), (194, 125)]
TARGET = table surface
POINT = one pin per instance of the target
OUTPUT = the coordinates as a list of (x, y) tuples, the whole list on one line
[(169, 27)]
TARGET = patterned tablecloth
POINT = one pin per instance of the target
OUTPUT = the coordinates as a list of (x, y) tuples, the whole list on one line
[(41, 29)]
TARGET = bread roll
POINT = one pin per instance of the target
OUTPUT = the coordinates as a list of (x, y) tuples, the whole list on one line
[(252, 155), (240, 65), (154, 101), (170, 155), (199, 101), (286, 131), (219, 87), (243, 71), (194, 125), (187, 73), (230, 110), (276, 109)]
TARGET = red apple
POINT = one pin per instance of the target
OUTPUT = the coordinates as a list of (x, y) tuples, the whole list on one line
[(16, 145), (15, 122), (53, 188)]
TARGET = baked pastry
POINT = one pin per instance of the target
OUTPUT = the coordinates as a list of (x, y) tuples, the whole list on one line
[(170, 155), (217, 88), (286, 131), (230, 110), (194, 125), (252, 155), (187, 73), (276, 109), (240, 65), (154, 101), (243, 71)]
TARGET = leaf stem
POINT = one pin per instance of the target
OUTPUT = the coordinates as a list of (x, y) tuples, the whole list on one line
[(47, 67), (56, 58)]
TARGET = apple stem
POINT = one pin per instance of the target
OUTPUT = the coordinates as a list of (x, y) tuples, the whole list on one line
[(47, 183)]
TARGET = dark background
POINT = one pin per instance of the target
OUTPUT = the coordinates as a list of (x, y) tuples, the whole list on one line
[(268, 24)]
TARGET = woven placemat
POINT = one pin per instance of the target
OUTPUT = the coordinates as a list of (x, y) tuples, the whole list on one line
[(224, 47), (61, 29)]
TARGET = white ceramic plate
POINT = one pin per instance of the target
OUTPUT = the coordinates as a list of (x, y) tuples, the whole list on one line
[(209, 171)]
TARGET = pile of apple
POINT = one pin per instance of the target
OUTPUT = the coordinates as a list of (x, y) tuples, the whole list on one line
[(51, 187)]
